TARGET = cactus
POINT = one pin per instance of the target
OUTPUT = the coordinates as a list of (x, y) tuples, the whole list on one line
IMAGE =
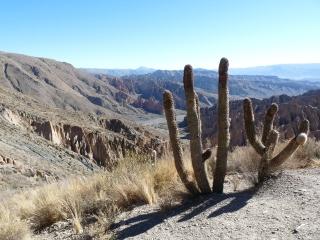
[(198, 156), (266, 146), (223, 127), (194, 125), (183, 173)]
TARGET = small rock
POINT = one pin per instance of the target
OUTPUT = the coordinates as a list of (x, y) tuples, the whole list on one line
[(40, 173), (8, 161), (297, 229)]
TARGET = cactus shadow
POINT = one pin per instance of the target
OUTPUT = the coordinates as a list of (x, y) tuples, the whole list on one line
[(224, 203)]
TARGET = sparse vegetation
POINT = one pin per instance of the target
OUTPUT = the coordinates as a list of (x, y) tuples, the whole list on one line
[(134, 181), (11, 227)]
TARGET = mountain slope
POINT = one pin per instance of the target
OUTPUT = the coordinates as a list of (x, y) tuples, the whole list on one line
[(57, 84)]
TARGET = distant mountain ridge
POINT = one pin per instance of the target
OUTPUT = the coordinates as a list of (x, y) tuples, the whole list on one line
[(118, 72), (240, 85), (293, 71), (301, 71)]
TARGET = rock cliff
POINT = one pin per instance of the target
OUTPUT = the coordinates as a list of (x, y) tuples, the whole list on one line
[(104, 146)]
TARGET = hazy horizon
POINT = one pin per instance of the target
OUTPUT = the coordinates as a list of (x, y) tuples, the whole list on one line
[(180, 68), (195, 67)]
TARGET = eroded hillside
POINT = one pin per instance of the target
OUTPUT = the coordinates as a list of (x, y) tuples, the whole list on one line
[(41, 143), (291, 111)]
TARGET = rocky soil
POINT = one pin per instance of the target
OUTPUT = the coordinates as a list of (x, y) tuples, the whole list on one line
[(286, 207)]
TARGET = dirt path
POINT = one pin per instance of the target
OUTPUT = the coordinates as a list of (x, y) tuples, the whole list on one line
[(287, 207)]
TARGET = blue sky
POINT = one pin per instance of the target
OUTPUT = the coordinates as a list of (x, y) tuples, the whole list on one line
[(164, 34)]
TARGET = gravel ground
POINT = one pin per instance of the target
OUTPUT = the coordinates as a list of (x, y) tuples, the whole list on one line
[(286, 207)]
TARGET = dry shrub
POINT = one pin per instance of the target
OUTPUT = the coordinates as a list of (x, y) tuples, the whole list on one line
[(11, 227), (243, 165), (243, 160), (71, 206), (47, 208), (307, 155), (132, 192), (167, 184), (134, 181), (164, 176)]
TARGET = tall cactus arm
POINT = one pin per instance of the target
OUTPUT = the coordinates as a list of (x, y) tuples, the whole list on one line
[(195, 133), (250, 128), (184, 174), (271, 143), (223, 127), (292, 146), (268, 122)]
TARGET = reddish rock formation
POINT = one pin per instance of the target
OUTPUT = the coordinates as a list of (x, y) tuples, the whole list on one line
[(291, 111)]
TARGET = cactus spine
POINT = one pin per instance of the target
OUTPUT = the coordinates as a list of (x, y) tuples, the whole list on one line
[(223, 127), (185, 176), (270, 138), (194, 126)]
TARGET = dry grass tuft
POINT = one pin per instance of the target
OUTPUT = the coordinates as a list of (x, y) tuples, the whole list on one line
[(243, 160), (47, 208), (11, 227), (134, 181), (71, 207)]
